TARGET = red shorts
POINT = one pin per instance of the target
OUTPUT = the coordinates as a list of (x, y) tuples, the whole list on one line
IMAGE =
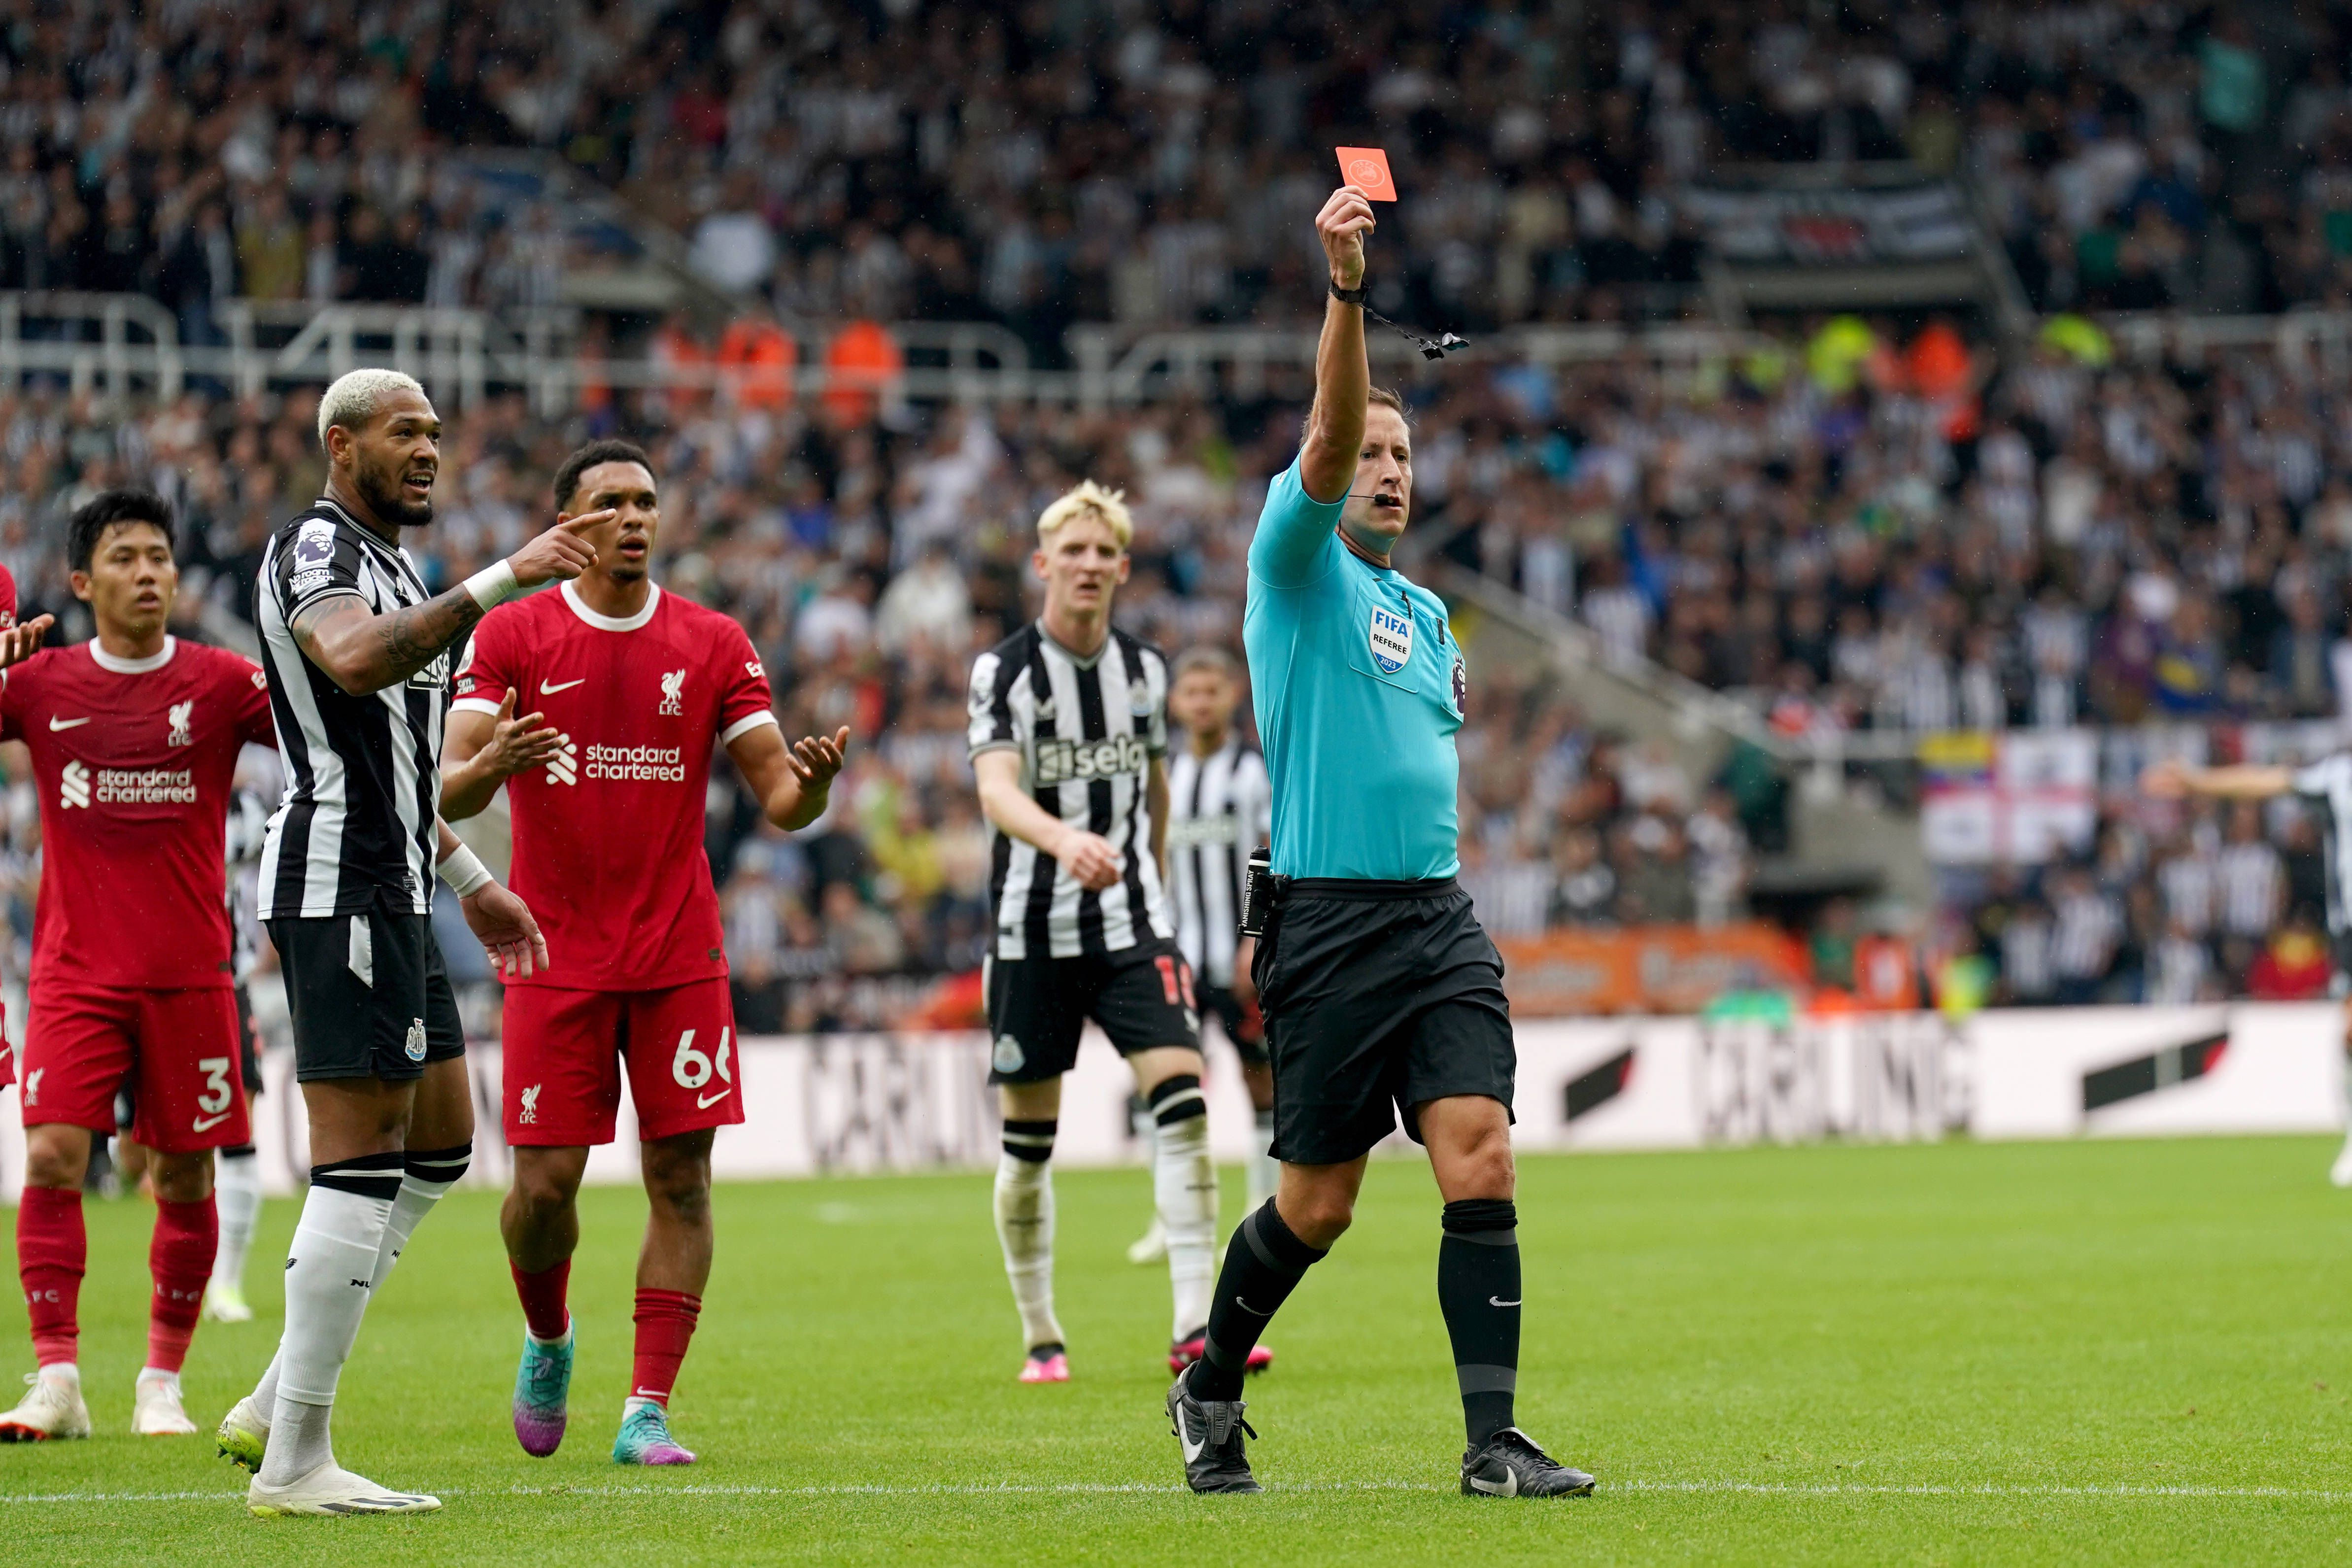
[(176, 1051), (563, 1051)]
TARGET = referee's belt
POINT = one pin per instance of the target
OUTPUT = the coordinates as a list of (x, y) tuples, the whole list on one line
[(1360, 889)]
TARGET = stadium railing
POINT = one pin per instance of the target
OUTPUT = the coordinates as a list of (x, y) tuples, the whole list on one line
[(127, 345)]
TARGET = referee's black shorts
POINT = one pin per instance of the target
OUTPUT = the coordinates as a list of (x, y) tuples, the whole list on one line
[(1378, 997), (367, 995)]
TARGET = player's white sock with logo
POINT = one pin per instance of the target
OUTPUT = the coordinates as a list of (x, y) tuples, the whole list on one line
[(1265, 1170), (236, 1193), (1184, 1187), (426, 1176), (1024, 1226), (330, 1271)]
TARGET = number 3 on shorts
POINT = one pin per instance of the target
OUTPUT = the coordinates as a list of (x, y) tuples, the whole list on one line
[(217, 1093), (692, 1069)]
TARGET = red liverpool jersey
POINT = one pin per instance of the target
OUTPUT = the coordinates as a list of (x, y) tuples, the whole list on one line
[(133, 758), (608, 837)]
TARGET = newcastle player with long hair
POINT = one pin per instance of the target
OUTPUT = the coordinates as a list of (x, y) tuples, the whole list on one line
[(1381, 995), (1070, 742)]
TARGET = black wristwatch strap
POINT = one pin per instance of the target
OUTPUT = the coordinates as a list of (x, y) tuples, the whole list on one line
[(1431, 348)]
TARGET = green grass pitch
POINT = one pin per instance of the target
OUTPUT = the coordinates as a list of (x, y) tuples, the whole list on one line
[(2093, 1352)]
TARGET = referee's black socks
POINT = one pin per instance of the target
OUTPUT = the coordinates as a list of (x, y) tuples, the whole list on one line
[(1479, 1290), (1264, 1263)]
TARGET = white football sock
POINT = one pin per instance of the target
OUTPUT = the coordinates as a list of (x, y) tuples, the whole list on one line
[(299, 1443), (408, 1211), (1024, 1226), (236, 1193), (329, 1273), (417, 1196), (1184, 1188), (1265, 1170), (264, 1392)]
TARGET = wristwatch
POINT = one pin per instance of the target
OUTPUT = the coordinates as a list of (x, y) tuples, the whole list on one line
[(1356, 296)]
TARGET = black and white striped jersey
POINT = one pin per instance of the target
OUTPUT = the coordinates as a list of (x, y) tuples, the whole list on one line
[(248, 827), (1220, 807), (2328, 783), (1087, 730), (362, 773)]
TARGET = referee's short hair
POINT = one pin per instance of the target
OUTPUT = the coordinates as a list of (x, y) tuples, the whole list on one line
[(1208, 656), (104, 511), (610, 451), (1089, 497), (1381, 395)]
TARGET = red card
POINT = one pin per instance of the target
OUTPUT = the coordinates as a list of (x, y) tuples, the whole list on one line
[(1367, 169)]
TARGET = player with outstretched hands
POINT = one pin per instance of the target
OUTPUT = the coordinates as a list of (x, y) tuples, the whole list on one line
[(626, 691)]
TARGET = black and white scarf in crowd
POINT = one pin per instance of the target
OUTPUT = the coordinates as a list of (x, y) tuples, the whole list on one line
[(1087, 731), (1220, 807)]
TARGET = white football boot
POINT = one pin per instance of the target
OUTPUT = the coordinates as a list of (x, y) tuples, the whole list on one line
[(332, 1490), (243, 1435), (156, 1410), (1151, 1247), (53, 1409)]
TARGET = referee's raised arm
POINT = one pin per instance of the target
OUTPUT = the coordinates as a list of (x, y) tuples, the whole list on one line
[(1343, 373)]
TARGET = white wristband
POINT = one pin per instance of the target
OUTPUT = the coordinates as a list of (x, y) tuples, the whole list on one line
[(494, 584), (464, 871)]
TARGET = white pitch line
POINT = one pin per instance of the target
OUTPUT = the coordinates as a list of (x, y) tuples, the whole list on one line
[(1858, 1488), (1143, 1488)]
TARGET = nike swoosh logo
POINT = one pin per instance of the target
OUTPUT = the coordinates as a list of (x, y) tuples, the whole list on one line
[(1507, 1487), (1191, 1450), (1498, 1301), (704, 1103), (206, 1123), (57, 723), (545, 689), (1246, 1307)]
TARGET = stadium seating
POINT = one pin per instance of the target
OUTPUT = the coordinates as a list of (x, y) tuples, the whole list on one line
[(1878, 527), (1042, 165)]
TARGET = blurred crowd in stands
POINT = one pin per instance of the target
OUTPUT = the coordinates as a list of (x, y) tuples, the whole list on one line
[(1873, 525), (1870, 532), (1857, 531), (2076, 538), (869, 565), (2169, 908), (1045, 163)]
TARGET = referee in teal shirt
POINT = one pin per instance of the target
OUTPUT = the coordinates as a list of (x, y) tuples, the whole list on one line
[(1383, 996)]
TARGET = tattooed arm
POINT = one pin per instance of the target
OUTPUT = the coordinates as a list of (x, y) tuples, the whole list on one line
[(364, 653)]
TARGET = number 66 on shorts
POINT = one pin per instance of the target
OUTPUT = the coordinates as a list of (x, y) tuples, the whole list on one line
[(564, 1053)]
